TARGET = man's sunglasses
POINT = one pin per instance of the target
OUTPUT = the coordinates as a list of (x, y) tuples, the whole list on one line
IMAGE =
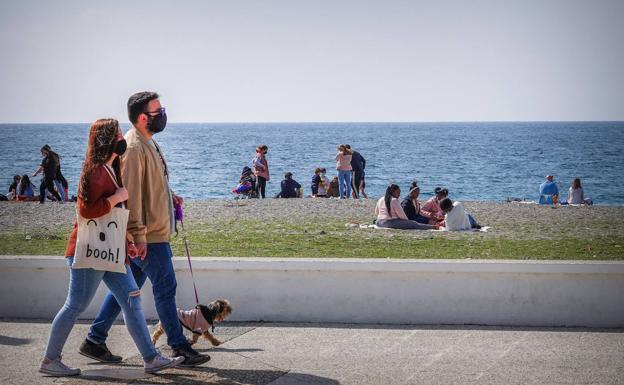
[(160, 111)]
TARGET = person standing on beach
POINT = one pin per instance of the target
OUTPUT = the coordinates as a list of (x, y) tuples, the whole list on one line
[(261, 169), (548, 191), (358, 164), (48, 166), (98, 194), (59, 178), (151, 222), (343, 165)]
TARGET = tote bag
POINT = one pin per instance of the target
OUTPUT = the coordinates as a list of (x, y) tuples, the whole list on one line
[(101, 242)]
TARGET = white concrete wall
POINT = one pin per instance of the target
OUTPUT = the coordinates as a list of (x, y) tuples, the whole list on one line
[(359, 291)]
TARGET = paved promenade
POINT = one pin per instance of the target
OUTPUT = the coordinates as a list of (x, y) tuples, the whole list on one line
[(280, 354)]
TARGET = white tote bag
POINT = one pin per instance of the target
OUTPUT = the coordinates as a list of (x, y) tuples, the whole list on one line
[(101, 242)]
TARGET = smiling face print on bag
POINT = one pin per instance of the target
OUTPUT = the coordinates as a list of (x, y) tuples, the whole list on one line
[(102, 251)]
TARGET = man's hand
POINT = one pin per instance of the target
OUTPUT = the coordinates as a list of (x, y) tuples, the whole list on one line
[(177, 200), (141, 250)]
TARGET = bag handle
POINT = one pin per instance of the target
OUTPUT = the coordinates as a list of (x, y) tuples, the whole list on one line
[(111, 173)]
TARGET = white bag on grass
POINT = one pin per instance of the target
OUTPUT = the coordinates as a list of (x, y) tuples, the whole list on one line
[(101, 242)]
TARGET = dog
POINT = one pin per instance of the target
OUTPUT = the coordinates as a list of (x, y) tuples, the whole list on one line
[(199, 320)]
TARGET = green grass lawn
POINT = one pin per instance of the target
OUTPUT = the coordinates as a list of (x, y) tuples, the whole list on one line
[(333, 239)]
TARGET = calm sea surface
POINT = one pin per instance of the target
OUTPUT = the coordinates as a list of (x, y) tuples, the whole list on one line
[(475, 161)]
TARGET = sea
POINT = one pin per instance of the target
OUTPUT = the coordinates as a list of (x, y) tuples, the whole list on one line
[(485, 161)]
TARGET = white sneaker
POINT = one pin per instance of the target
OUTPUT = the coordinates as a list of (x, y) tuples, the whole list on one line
[(57, 368), (161, 362)]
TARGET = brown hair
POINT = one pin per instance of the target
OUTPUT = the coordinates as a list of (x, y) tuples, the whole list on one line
[(576, 183), (99, 148), (317, 170), (343, 148)]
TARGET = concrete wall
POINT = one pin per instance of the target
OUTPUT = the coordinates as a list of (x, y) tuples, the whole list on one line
[(359, 291)]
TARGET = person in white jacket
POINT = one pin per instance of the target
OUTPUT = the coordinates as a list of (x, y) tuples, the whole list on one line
[(455, 216)]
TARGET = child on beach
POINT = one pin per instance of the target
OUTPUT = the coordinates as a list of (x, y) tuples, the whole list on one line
[(13, 188), (334, 191), (97, 195), (320, 183)]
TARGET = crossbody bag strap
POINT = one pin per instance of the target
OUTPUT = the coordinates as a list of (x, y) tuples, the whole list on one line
[(111, 173)]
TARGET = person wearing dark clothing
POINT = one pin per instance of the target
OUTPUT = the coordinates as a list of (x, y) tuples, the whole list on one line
[(289, 187), (59, 175), (13, 187), (411, 206), (48, 166), (358, 164)]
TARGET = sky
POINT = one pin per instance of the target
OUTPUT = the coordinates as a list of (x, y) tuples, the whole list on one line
[(314, 61)]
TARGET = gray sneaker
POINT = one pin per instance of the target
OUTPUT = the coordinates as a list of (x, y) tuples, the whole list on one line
[(161, 362), (57, 369)]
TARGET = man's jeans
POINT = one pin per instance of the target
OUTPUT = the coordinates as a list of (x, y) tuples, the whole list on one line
[(157, 266)]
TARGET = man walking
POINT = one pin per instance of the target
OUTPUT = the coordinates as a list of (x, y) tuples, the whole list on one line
[(151, 222)]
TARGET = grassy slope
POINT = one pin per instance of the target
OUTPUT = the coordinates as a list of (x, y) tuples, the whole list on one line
[(332, 239)]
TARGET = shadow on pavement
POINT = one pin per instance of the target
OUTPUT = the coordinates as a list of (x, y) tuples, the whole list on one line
[(13, 341)]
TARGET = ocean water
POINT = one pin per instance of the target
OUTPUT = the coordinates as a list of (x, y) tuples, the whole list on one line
[(475, 161)]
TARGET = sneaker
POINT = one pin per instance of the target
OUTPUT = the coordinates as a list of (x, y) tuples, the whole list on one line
[(192, 358), (98, 352), (57, 369), (160, 363)]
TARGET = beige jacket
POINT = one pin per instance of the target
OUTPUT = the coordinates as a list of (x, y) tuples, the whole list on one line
[(143, 174)]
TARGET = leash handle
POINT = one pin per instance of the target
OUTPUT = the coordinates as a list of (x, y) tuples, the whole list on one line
[(188, 256)]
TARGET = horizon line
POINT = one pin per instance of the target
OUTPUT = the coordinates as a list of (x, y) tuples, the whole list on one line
[(348, 121)]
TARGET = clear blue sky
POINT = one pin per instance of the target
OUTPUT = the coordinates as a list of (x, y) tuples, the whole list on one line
[(229, 61)]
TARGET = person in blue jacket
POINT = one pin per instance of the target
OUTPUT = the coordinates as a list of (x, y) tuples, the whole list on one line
[(289, 187), (548, 190)]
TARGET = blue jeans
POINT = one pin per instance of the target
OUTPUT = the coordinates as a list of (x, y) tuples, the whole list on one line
[(473, 222), (83, 284), (344, 179), (156, 266)]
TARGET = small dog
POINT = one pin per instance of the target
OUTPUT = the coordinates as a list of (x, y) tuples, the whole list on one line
[(200, 320)]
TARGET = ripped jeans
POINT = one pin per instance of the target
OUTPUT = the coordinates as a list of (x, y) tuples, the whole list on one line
[(83, 284)]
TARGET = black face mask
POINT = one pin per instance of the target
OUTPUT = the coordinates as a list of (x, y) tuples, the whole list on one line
[(157, 123), (120, 147)]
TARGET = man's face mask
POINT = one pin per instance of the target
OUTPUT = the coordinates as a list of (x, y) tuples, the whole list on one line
[(156, 120)]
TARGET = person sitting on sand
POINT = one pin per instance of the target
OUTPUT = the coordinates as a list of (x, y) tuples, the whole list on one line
[(320, 183), (575, 194), (13, 187), (432, 206), (290, 188), (455, 216), (390, 214), (548, 191), (26, 190), (333, 191), (411, 206)]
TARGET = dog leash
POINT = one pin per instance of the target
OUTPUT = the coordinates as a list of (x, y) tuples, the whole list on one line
[(180, 216)]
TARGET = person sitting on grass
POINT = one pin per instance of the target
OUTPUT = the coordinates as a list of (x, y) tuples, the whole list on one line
[(290, 188), (455, 216), (390, 214), (432, 206)]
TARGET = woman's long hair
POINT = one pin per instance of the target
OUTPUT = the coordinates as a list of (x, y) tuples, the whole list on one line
[(388, 197), (345, 151), (576, 183), (23, 185), (99, 148)]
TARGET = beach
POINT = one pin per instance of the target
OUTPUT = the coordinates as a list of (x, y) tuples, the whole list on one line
[(331, 228)]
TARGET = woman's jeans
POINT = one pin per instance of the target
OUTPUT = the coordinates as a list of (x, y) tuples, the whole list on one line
[(344, 180), (402, 224), (156, 266), (83, 284)]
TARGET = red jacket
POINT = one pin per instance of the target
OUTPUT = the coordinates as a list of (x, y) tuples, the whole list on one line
[(100, 188)]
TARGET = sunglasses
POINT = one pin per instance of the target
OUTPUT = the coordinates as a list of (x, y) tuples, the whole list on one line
[(160, 111)]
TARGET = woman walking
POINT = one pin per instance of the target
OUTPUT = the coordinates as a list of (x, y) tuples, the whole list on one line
[(97, 195), (343, 165), (261, 169)]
